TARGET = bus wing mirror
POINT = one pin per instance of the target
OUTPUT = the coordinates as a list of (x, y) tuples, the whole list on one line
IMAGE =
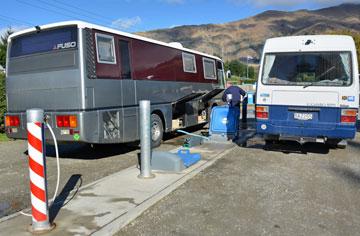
[(228, 74)]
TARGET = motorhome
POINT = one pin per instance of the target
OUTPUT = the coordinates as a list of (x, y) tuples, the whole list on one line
[(89, 80), (308, 89)]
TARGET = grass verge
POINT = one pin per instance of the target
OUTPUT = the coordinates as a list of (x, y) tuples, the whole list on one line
[(3, 137)]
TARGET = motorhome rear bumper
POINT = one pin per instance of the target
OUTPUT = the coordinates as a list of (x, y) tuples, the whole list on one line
[(102, 126), (90, 127), (337, 131), (62, 134)]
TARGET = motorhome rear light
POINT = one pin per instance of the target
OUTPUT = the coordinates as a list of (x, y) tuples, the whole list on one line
[(262, 112), (66, 121), (12, 121), (73, 121), (59, 121), (348, 116), (7, 121)]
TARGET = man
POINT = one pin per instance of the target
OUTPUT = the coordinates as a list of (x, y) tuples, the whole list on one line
[(232, 95)]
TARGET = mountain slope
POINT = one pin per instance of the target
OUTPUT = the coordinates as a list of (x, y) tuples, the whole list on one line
[(236, 40)]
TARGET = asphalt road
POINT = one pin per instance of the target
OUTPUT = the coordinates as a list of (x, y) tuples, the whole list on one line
[(289, 190), (80, 165)]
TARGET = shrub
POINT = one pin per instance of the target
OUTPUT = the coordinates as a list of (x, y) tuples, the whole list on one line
[(2, 101)]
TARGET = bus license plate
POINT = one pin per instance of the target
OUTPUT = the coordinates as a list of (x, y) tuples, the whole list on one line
[(303, 116)]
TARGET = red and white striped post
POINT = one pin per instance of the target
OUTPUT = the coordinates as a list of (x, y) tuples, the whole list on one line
[(37, 170)]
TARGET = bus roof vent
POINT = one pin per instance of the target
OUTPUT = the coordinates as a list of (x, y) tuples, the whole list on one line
[(176, 44)]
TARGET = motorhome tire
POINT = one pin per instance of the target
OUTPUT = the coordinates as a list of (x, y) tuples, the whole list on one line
[(157, 130)]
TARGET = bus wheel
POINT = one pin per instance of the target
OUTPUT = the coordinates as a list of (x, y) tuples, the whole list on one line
[(157, 130)]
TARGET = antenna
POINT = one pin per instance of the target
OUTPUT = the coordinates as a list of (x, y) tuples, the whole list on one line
[(308, 42), (38, 29)]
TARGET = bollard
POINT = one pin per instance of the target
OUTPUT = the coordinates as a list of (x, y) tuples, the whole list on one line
[(145, 140), (37, 170)]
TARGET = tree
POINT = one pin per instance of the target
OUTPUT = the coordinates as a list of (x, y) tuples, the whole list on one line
[(252, 72), (3, 49), (2, 101), (3, 46), (240, 69)]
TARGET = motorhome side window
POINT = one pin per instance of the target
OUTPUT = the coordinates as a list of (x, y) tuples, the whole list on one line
[(105, 49), (209, 68), (308, 69), (125, 59), (220, 73), (189, 62)]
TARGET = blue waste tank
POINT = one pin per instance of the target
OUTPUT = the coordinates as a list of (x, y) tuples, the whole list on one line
[(188, 158), (224, 120)]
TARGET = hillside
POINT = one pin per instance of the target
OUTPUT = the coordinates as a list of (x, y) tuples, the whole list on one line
[(238, 39)]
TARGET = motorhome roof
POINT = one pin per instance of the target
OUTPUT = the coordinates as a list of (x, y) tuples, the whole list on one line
[(82, 24), (310, 43)]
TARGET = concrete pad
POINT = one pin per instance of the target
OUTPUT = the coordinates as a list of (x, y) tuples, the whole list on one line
[(105, 206)]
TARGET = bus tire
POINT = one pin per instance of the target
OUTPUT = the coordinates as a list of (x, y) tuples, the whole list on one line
[(157, 130), (337, 143)]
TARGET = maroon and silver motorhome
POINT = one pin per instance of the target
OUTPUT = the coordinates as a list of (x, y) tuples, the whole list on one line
[(89, 80)]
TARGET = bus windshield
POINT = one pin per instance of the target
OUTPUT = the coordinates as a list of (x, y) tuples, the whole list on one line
[(44, 41), (307, 69)]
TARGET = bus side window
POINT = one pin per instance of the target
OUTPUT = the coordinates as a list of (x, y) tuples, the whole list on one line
[(125, 59)]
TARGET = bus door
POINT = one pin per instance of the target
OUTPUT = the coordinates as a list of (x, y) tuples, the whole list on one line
[(130, 110)]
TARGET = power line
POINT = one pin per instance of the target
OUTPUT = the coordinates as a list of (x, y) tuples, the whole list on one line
[(93, 14), (81, 9), (69, 10), (6, 18), (47, 9), (65, 14)]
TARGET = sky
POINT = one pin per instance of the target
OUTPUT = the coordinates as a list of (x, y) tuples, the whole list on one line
[(143, 15)]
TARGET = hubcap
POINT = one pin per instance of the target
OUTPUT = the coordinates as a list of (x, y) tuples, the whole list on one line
[(155, 131)]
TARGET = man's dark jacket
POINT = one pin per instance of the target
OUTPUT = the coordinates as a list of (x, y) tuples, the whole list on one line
[(236, 92)]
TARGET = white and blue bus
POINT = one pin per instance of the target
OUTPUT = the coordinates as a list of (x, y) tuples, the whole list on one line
[(308, 89)]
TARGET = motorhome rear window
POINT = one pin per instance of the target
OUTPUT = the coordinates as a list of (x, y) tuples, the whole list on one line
[(44, 41), (308, 69)]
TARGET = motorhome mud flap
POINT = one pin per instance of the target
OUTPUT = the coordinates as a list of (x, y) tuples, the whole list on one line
[(211, 94), (191, 113)]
